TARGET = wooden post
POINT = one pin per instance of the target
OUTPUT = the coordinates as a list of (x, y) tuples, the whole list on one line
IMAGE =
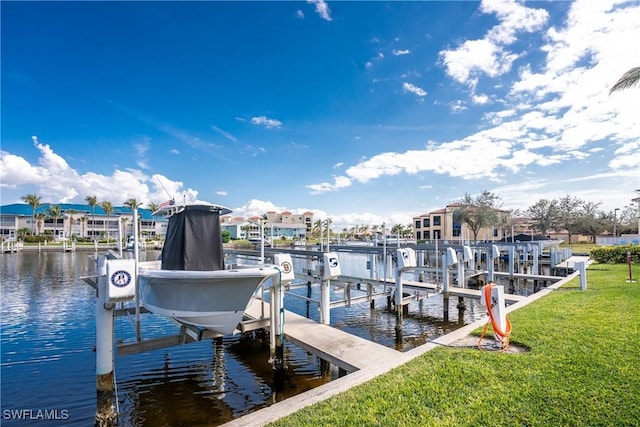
[(372, 301)]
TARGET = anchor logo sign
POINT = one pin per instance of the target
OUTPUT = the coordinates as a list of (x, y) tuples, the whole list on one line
[(121, 278), (333, 262)]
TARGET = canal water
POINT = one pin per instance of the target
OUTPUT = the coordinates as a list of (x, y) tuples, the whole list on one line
[(48, 358)]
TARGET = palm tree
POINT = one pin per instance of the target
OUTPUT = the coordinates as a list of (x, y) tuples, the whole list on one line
[(108, 209), (124, 220), (41, 217), (93, 202), (397, 230), (83, 220), (315, 231), (70, 212), (628, 80), (34, 202), (54, 212), (132, 203), (152, 206)]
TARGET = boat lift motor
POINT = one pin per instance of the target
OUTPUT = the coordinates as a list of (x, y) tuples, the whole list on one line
[(331, 266), (121, 280), (406, 258), (285, 265)]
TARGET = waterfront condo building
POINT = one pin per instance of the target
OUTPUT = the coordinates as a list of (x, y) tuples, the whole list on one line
[(445, 224)]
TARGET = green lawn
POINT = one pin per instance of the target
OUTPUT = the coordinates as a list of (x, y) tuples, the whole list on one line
[(583, 369)]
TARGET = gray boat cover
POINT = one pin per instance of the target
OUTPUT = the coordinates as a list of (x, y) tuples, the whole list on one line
[(194, 241)]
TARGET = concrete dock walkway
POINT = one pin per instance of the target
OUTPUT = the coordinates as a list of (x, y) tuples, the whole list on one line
[(342, 349)]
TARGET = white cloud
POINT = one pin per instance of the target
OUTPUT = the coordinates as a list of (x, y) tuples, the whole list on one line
[(397, 52), (224, 133), (269, 123), (488, 55), (57, 182), (299, 14), (560, 115), (222, 193), (475, 56), (338, 183), (16, 171), (480, 99), (408, 87), (141, 149), (457, 106), (322, 9)]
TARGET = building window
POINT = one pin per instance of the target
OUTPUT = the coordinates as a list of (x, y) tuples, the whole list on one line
[(425, 222), (495, 232), (418, 224), (457, 229), (427, 235), (436, 220), (418, 235)]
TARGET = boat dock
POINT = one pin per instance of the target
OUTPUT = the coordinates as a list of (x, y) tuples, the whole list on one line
[(433, 287), (440, 268), (344, 350)]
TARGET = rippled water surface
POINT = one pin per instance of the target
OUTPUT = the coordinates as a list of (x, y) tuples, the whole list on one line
[(48, 361)]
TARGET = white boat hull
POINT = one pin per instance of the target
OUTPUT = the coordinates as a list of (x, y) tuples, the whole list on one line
[(214, 300)]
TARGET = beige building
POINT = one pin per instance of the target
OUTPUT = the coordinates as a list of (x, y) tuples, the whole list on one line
[(442, 224), (283, 225)]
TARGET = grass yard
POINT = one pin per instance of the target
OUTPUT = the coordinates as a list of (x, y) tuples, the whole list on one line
[(583, 369)]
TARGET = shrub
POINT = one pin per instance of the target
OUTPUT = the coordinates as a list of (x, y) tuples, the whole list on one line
[(615, 254), (40, 238)]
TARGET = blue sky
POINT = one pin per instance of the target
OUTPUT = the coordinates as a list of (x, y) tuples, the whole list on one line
[(362, 111)]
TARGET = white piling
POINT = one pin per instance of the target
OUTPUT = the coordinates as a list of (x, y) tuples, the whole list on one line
[(582, 268), (445, 274), (277, 325), (325, 302), (512, 260), (461, 272), (104, 331), (136, 255), (399, 291), (105, 384)]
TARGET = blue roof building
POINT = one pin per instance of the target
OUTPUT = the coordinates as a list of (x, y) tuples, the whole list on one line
[(77, 220)]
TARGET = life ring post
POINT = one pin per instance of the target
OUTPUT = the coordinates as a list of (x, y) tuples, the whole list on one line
[(492, 297)]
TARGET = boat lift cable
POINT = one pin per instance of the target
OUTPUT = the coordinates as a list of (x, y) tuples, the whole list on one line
[(502, 336)]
